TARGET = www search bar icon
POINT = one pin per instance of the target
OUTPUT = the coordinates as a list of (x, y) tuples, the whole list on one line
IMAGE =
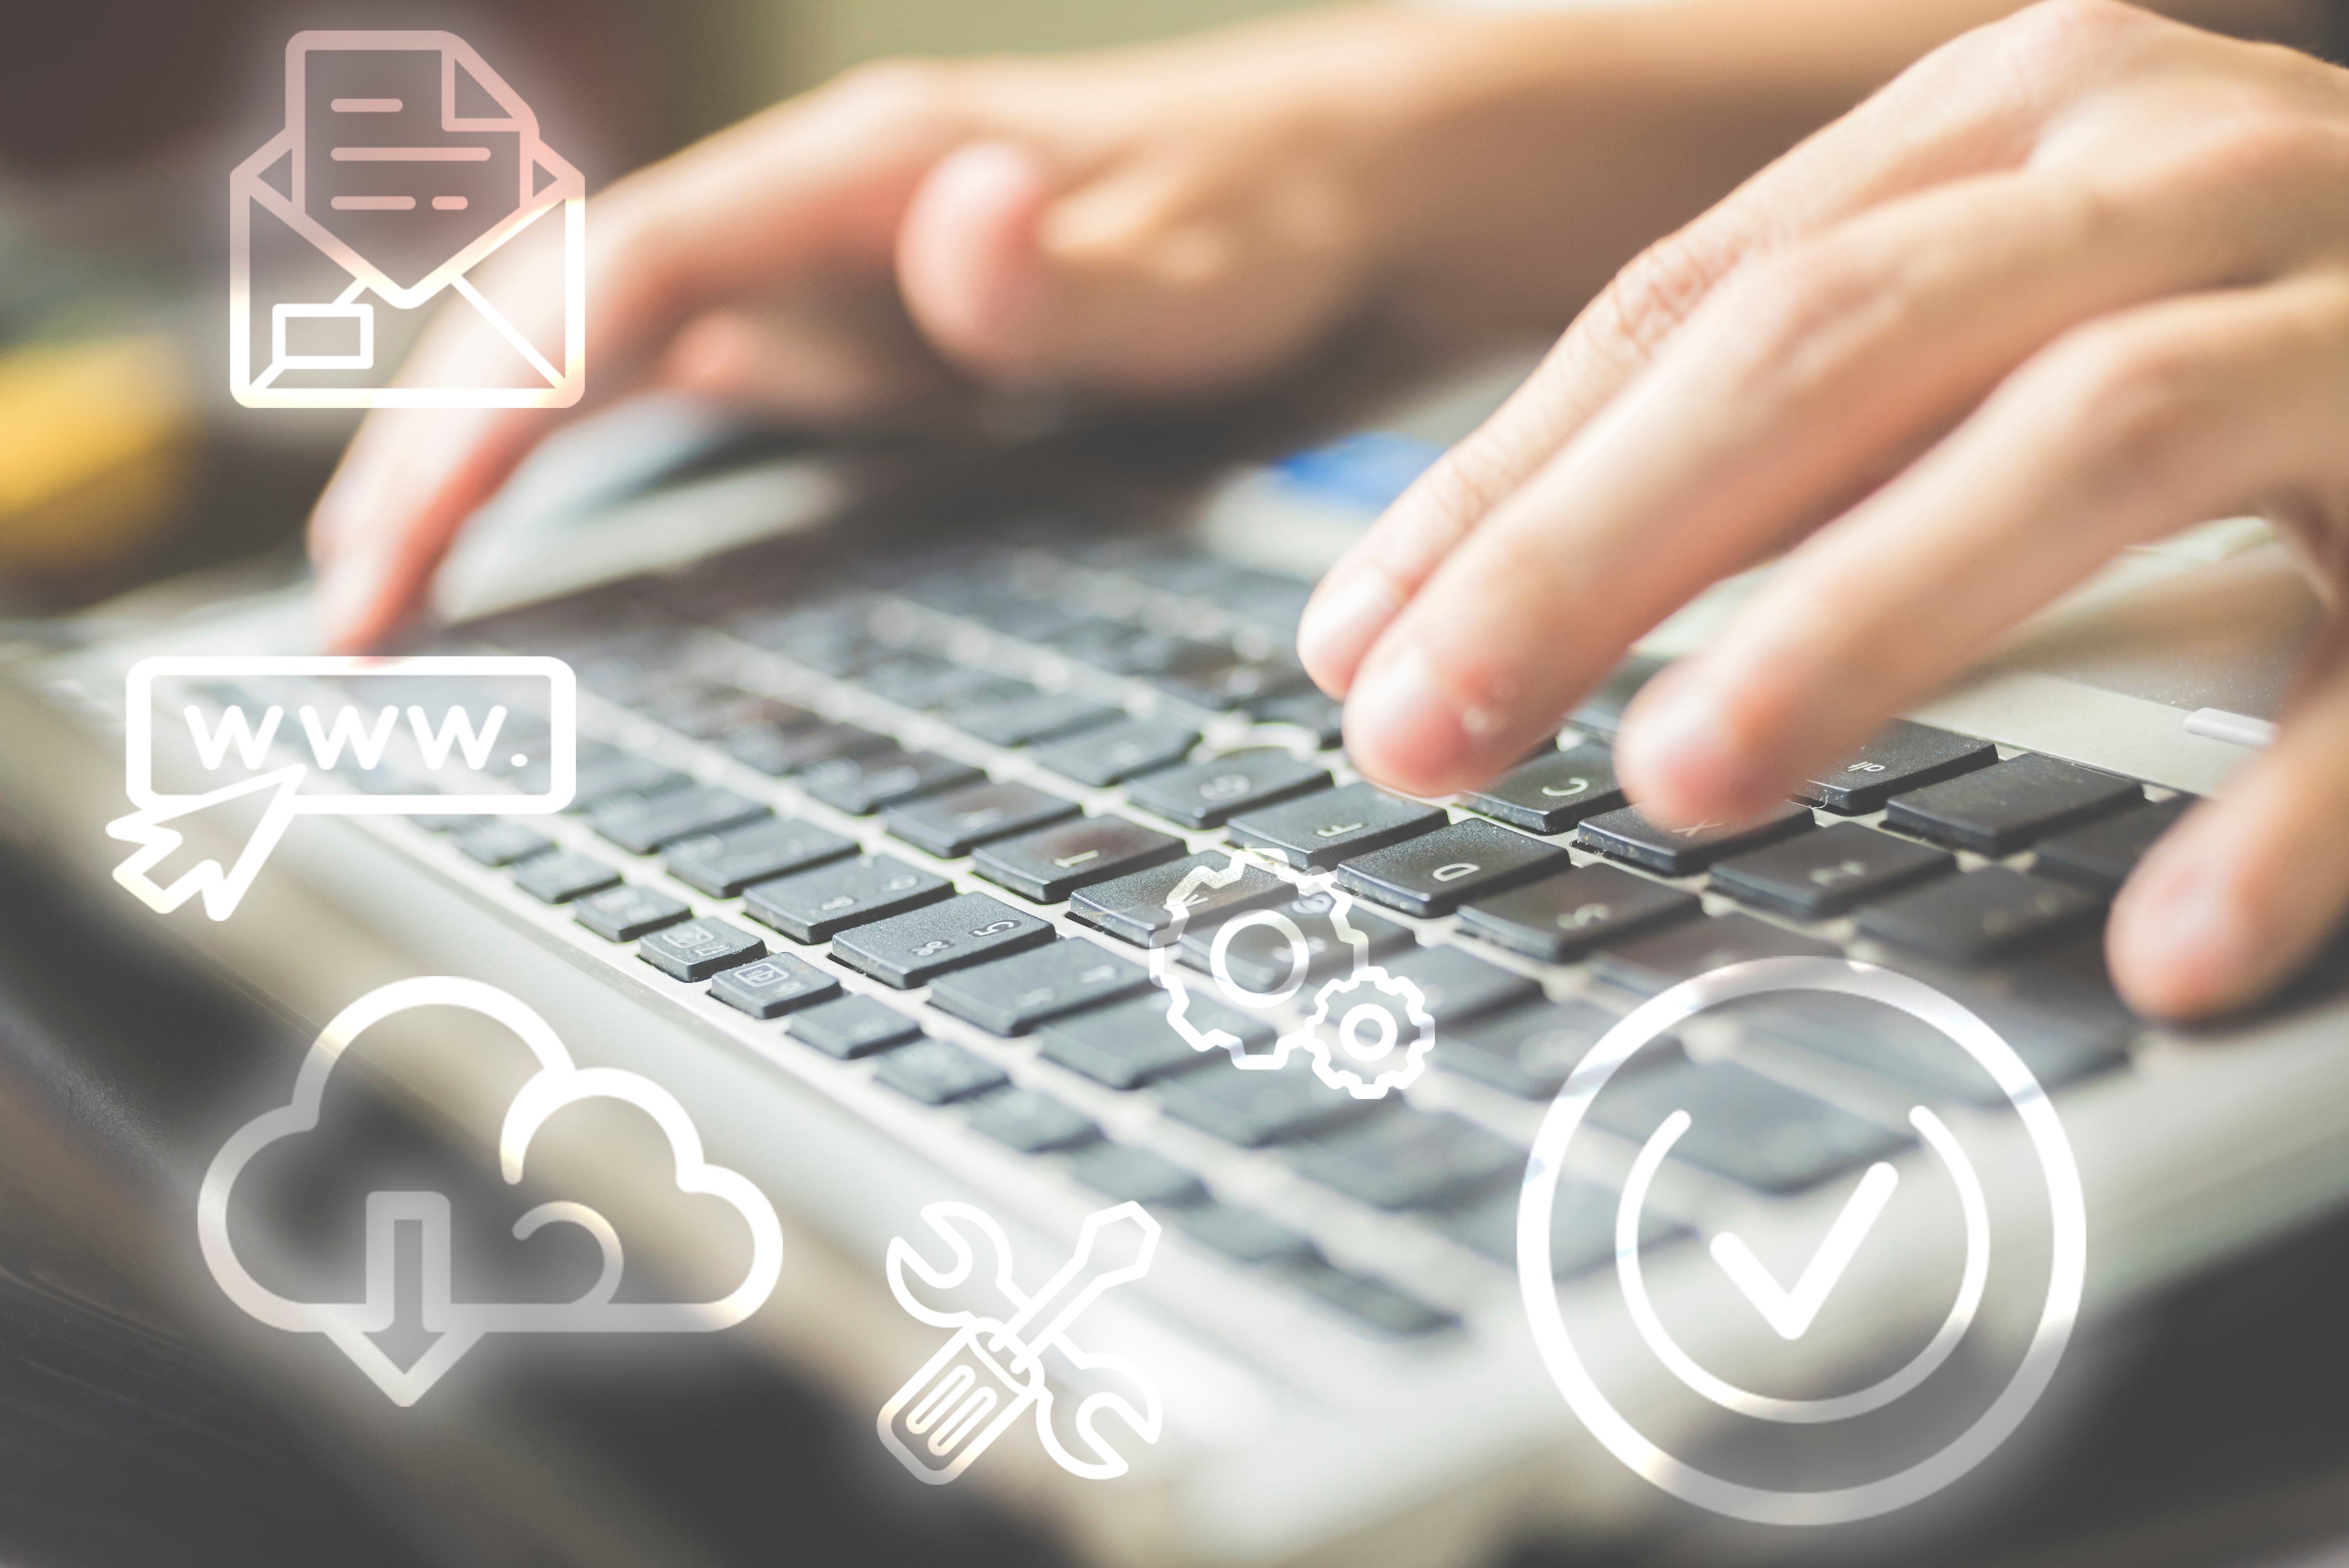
[(317, 736)]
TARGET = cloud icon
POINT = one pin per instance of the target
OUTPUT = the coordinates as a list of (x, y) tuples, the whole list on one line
[(459, 1325)]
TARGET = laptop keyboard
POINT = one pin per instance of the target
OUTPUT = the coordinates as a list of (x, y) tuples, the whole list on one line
[(918, 818)]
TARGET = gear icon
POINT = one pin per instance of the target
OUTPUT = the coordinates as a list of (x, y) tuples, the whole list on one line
[(1358, 1042), (1368, 1032)]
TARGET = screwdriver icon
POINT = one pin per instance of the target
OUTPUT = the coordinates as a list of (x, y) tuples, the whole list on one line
[(992, 1372)]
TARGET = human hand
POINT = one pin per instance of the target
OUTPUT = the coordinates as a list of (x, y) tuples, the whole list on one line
[(2078, 279), (1149, 222)]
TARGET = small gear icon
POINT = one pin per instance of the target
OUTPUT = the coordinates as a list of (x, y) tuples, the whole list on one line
[(1359, 1041), (1368, 1032)]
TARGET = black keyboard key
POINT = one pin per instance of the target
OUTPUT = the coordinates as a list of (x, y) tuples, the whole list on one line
[(1652, 964), (1563, 917), (1552, 792), (1529, 1050), (560, 878), (1220, 687), (1436, 873), (1889, 1044), (1093, 639), (1133, 1043), (852, 1026), (1208, 794), (1335, 825), (1040, 716), (909, 950), (953, 824), (938, 1073), (863, 785), (1013, 996), (1601, 713), (704, 710), (1903, 756), (1134, 908), (832, 638), (1456, 985), (1581, 1226), (1131, 651), (1976, 917), (1814, 876), (723, 864), (616, 773), (1998, 810), (1116, 752), (819, 905), (1406, 1158), (1051, 865), (1373, 1304), (2100, 856), (1750, 1128), (698, 949), (1276, 604), (925, 683), (1121, 1170), (1031, 1122), (1243, 1235), (776, 751), (626, 914), (1022, 619), (774, 985), (641, 824), (498, 843), (1684, 851), (1262, 958), (1254, 1105), (1320, 717)]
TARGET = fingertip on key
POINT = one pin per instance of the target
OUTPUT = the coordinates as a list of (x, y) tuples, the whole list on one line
[(1345, 616), (2181, 943), (1407, 730), (1682, 760)]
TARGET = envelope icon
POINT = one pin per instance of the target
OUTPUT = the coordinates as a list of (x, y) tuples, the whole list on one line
[(406, 161)]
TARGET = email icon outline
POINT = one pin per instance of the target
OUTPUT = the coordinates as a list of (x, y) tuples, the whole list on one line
[(546, 386)]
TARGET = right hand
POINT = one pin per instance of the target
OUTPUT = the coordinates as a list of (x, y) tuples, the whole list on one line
[(1151, 221)]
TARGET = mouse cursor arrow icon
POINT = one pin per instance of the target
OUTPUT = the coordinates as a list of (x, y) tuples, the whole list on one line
[(222, 890)]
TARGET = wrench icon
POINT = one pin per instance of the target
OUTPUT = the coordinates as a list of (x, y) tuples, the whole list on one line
[(992, 1371)]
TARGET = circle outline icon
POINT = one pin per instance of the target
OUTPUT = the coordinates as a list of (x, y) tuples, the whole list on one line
[(2067, 1269)]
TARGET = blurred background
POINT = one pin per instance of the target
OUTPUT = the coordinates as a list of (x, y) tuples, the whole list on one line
[(122, 460)]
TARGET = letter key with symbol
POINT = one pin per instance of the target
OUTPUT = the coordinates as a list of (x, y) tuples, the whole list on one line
[(910, 950), (1552, 792)]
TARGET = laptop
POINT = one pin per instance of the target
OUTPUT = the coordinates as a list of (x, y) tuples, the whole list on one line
[(831, 712)]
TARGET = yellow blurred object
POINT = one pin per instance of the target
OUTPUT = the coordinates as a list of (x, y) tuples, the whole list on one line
[(96, 449)]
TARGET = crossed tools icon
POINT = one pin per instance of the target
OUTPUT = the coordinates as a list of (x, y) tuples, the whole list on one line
[(992, 1371)]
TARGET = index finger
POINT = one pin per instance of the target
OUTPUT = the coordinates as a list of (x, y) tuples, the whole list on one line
[(813, 185)]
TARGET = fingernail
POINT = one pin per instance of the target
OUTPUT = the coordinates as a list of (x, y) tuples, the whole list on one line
[(1677, 749), (2187, 943), (1340, 623), (1404, 726)]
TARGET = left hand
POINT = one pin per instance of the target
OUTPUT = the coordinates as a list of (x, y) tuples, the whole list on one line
[(2076, 280)]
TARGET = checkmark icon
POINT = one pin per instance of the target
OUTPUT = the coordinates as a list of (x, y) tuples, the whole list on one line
[(1792, 1312)]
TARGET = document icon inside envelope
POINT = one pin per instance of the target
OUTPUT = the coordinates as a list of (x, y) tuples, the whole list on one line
[(405, 162)]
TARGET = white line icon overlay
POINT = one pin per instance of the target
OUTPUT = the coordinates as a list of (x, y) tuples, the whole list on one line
[(241, 736), (441, 73), (2066, 1273), (462, 1325), (1790, 1313), (1364, 1050), (992, 1373)]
